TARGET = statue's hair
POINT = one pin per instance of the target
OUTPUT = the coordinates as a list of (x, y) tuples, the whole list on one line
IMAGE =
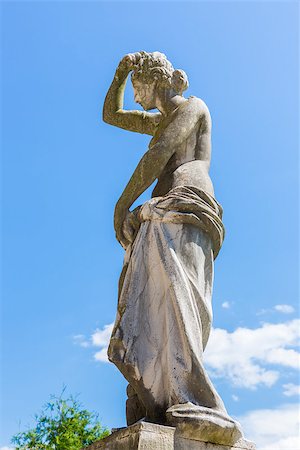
[(149, 67)]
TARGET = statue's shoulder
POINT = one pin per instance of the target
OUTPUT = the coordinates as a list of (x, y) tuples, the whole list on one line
[(198, 104), (197, 108)]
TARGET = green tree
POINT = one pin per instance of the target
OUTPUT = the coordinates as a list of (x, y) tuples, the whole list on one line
[(62, 425)]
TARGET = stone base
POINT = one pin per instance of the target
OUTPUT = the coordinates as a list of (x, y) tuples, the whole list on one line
[(150, 436)]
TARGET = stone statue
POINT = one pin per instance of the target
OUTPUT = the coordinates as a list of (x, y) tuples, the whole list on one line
[(164, 310)]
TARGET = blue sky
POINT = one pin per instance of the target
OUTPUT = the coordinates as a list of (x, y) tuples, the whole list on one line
[(64, 170)]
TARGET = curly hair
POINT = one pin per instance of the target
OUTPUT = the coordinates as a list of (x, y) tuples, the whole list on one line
[(154, 66)]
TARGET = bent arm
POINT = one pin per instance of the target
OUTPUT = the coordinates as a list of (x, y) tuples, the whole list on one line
[(113, 112), (147, 170), (153, 162)]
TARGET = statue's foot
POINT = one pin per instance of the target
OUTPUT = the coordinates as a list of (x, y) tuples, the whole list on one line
[(203, 424)]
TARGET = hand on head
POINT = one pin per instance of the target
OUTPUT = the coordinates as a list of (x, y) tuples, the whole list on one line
[(129, 61)]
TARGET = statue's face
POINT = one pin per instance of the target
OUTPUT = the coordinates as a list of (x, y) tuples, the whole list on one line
[(144, 94)]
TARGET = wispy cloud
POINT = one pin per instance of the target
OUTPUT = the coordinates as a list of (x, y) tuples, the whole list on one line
[(242, 356), (81, 340), (291, 389), (226, 305), (285, 309), (7, 448), (272, 429), (100, 338), (263, 311), (101, 355)]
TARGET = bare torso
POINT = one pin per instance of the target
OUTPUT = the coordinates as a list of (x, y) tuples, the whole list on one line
[(189, 165)]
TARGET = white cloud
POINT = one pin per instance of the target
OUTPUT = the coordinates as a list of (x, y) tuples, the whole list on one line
[(285, 309), (81, 340), (263, 311), (101, 355), (235, 398), (291, 389), (273, 429), (226, 305), (241, 356), (101, 337), (7, 448), (284, 357)]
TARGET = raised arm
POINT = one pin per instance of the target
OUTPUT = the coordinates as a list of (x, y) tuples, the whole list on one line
[(153, 162), (113, 112)]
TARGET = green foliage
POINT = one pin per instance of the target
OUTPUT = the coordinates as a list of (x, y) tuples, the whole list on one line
[(62, 425)]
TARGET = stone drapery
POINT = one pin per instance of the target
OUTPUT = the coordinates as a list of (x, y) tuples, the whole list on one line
[(164, 310)]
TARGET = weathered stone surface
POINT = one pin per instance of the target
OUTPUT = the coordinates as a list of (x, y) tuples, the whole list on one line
[(191, 444), (141, 436), (148, 436), (205, 424), (164, 310)]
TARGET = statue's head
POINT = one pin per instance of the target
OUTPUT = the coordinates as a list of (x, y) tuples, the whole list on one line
[(153, 73)]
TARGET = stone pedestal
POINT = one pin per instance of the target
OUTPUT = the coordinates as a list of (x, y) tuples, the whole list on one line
[(149, 436)]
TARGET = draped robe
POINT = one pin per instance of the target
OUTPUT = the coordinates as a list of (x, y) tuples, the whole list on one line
[(164, 310)]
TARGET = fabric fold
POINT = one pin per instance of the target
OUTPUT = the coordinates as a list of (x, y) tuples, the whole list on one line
[(164, 310), (189, 205)]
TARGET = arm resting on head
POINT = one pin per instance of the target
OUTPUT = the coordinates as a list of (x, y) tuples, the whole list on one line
[(114, 114)]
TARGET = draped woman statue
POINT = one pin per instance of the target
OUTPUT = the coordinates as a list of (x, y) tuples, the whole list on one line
[(164, 308)]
